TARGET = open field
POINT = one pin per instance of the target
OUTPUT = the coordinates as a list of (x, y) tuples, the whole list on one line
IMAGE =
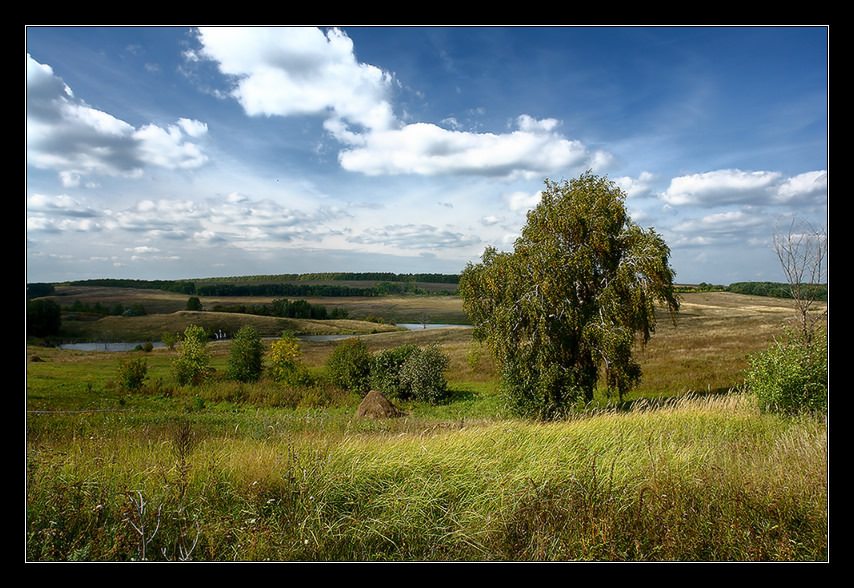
[(686, 470)]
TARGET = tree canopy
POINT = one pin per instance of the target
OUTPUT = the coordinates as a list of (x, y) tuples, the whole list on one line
[(570, 301)]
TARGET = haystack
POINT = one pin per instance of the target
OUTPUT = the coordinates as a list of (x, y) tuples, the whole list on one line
[(376, 406)]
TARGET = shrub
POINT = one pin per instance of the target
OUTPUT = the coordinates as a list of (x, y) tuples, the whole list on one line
[(132, 374), (191, 366), (244, 365), (386, 368), (169, 340), (285, 365), (789, 376), (423, 374), (349, 366)]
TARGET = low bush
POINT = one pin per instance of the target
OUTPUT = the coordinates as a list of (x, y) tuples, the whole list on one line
[(244, 365), (284, 357), (191, 366), (790, 376), (423, 374), (132, 374), (349, 366), (386, 368)]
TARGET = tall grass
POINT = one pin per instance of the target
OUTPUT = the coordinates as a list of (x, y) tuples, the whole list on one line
[(695, 479)]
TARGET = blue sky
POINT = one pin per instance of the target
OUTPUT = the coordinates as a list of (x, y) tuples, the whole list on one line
[(176, 152)]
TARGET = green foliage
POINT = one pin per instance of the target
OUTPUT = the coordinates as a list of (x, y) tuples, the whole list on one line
[(244, 364), (135, 310), (423, 374), (577, 291), (301, 309), (43, 318), (778, 289), (39, 289), (790, 376), (191, 365), (132, 374), (349, 366), (285, 364), (193, 303), (99, 308), (386, 371), (169, 340)]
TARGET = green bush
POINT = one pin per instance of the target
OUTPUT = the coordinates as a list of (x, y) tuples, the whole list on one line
[(789, 376), (386, 368), (132, 374), (169, 340), (349, 366), (191, 366), (244, 364), (423, 374)]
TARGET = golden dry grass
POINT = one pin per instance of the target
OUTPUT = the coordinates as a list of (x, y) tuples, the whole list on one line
[(707, 348)]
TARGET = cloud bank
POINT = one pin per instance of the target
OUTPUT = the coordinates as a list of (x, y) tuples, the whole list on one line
[(296, 71), (67, 135)]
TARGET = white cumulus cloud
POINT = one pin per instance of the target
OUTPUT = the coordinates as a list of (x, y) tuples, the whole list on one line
[(720, 187), (805, 185), (69, 136), (530, 151), (734, 186), (285, 71), (288, 71)]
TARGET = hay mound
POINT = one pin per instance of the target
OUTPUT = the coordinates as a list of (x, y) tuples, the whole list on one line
[(376, 406)]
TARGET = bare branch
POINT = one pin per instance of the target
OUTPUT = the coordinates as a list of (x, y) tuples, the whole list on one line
[(802, 251)]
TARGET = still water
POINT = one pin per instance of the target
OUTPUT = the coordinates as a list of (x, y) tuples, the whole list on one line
[(119, 346), (410, 326)]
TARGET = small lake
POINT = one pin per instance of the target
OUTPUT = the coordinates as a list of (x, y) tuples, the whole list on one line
[(419, 326), (410, 326), (101, 346), (120, 346)]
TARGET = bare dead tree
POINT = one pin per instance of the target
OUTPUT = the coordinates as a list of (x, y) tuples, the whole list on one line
[(803, 250)]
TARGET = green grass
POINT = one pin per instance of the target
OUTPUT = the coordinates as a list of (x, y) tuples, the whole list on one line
[(699, 479), (257, 472)]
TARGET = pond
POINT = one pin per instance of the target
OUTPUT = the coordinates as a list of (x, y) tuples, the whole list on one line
[(103, 346), (410, 326), (120, 346)]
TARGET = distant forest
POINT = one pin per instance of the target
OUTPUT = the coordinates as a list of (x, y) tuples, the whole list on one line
[(306, 285), (775, 289), (386, 283)]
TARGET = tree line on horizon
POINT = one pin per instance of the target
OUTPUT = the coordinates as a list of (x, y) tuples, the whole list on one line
[(389, 284), (269, 285)]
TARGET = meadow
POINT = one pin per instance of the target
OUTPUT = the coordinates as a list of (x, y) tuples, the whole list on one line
[(686, 469)]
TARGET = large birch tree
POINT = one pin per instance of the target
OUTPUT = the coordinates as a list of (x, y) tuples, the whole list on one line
[(572, 299)]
